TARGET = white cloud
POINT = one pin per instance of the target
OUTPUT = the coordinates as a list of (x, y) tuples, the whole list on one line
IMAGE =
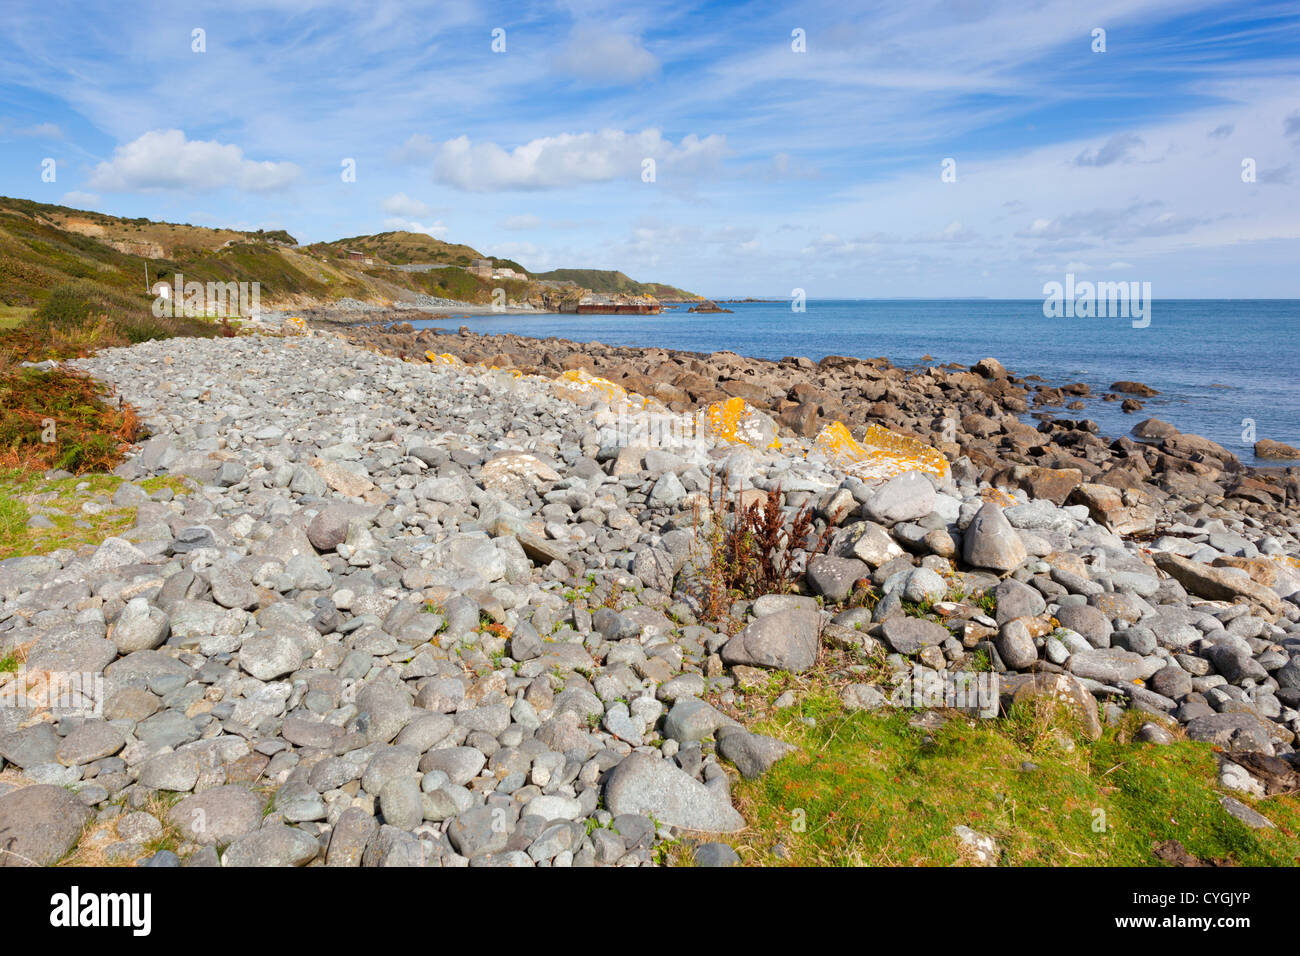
[(400, 204), (166, 159), (79, 200), (438, 229), (606, 58), (525, 221), (41, 131), (572, 158)]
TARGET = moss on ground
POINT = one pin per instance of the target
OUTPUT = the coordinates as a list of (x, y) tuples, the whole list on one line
[(79, 510), (870, 789)]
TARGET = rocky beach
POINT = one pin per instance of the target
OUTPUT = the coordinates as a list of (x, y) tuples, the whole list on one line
[(420, 599)]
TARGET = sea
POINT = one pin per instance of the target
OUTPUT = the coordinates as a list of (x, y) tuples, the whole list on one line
[(1228, 369)]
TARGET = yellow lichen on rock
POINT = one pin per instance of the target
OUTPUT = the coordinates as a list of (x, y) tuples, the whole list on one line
[(1287, 574), (997, 496), (881, 453), (577, 385), (294, 325), (444, 358), (735, 421)]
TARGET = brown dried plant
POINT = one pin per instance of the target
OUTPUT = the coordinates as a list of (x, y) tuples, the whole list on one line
[(752, 547)]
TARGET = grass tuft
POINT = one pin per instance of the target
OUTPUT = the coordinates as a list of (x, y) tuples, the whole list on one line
[(870, 789)]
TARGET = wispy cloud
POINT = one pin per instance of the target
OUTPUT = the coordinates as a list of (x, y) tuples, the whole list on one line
[(41, 131), (816, 168), (599, 56), (1116, 149)]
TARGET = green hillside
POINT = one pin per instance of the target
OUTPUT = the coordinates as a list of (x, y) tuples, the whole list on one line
[(605, 280), (44, 247), (404, 248)]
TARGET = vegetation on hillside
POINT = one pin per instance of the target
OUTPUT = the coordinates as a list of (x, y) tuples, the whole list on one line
[(604, 280), (44, 246), (404, 248)]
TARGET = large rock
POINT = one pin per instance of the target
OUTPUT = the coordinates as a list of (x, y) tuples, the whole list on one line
[(1232, 732), (480, 830), (833, 577), (753, 754), (1276, 450), (275, 845), (515, 473), (1087, 621), (218, 816), (646, 785), (654, 567), (867, 541), (30, 746), (341, 479), (1112, 665), (1016, 599), (1062, 688), (1154, 428), (39, 825), (352, 833), (1235, 663), (139, 627), (1052, 484), (1107, 507), (786, 640), (990, 541), (903, 498), (270, 656), (1016, 646), (693, 719), (74, 650), (89, 742), (1216, 584), (908, 635)]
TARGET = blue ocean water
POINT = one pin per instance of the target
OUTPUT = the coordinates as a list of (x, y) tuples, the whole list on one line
[(1216, 363)]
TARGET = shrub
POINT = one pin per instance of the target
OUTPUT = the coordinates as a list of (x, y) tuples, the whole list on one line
[(87, 433), (752, 549)]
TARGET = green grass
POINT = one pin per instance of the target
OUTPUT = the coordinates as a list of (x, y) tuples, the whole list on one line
[(179, 486), (872, 790), (12, 316), (63, 501)]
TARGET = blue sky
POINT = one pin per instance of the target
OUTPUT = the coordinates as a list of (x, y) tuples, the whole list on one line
[(774, 169)]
